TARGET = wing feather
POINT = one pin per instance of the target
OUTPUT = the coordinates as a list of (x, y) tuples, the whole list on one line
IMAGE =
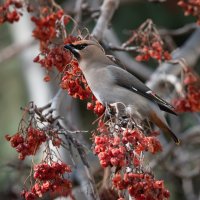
[(127, 80)]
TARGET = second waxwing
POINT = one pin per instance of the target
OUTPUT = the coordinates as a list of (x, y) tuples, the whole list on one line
[(111, 84)]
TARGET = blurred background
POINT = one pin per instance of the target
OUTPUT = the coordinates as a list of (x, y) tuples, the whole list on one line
[(21, 81)]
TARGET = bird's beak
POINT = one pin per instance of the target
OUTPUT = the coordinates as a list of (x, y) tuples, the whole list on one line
[(73, 50)]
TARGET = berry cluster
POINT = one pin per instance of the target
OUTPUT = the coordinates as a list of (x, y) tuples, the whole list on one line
[(140, 142), (28, 143), (116, 147), (190, 102), (76, 85), (56, 140), (29, 140), (55, 57), (10, 11), (121, 147), (96, 106), (74, 82), (49, 178), (45, 30), (141, 186), (155, 51), (109, 152), (72, 78), (124, 147), (191, 7), (149, 43)]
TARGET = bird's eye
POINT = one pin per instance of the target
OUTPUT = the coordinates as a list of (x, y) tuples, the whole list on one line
[(80, 46)]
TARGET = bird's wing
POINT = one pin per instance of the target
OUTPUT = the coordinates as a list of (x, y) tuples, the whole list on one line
[(127, 80), (116, 61)]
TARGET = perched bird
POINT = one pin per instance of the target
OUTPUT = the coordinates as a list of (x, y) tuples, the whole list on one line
[(111, 84)]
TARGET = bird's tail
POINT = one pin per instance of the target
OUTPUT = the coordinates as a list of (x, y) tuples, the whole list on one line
[(163, 126)]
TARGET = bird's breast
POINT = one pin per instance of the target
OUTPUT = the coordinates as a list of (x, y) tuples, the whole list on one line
[(100, 83)]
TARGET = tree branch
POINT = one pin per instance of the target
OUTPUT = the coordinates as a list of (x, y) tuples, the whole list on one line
[(188, 189), (179, 31), (187, 137), (107, 10), (78, 11), (14, 50), (112, 47), (189, 52)]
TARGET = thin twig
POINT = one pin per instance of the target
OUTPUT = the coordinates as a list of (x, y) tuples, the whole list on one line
[(179, 31)]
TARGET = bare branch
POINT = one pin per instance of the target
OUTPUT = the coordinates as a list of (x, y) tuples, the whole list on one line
[(173, 80), (87, 178), (56, 102), (182, 174), (107, 10), (78, 10), (188, 189), (187, 137), (120, 48), (180, 31), (14, 50), (157, 1)]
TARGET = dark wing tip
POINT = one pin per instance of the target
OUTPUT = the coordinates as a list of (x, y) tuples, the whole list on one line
[(163, 105), (166, 109)]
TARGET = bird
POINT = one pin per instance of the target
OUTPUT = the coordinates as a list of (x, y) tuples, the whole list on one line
[(111, 84)]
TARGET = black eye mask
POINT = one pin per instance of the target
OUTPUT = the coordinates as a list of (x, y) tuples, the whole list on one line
[(74, 49), (79, 46)]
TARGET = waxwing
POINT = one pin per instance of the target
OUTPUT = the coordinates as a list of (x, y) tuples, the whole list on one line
[(111, 84)]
